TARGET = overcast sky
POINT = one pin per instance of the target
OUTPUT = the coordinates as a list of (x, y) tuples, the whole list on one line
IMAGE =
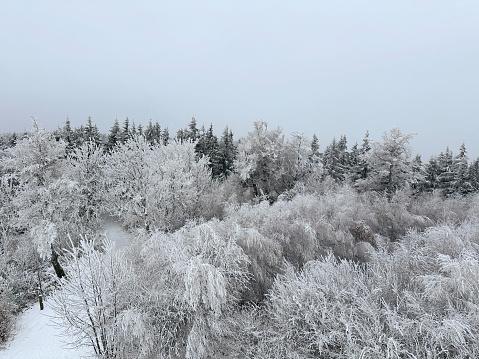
[(329, 67)]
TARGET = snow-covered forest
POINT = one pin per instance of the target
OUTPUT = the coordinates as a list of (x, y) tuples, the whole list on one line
[(272, 245)]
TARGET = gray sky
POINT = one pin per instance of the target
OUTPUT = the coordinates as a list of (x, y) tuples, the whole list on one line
[(329, 67)]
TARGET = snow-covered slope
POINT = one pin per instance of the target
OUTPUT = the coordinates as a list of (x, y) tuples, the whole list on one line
[(36, 337)]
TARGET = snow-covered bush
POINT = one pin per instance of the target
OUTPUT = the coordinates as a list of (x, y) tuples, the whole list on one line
[(7, 308), (420, 300), (200, 272), (95, 303), (329, 309)]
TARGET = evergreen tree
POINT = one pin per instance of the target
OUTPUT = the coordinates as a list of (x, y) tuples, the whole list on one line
[(192, 132), (330, 160), (364, 151), (125, 133), (157, 132), (226, 153), (133, 129), (355, 164), (336, 159), (212, 151), (432, 170), (91, 132), (181, 136), (200, 147), (446, 177), (114, 137), (165, 137), (78, 136), (462, 182), (474, 175), (149, 133), (343, 157), (315, 147), (417, 174), (207, 145), (67, 135), (389, 163)]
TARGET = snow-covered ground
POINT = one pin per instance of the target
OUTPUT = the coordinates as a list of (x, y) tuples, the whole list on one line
[(36, 337), (115, 232)]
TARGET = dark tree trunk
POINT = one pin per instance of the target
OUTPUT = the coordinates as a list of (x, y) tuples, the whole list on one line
[(56, 265)]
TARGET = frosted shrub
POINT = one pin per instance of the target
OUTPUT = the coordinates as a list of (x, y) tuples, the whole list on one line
[(95, 303), (418, 300), (7, 308), (307, 226), (430, 282), (20, 268), (265, 257), (201, 272), (328, 310)]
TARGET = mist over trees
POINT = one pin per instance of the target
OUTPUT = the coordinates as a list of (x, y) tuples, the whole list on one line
[(266, 246)]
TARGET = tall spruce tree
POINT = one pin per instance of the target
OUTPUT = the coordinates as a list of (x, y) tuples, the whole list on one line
[(149, 133), (462, 181), (446, 177), (192, 132), (165, 136), (432, 170), (91, 132), (335, 159), (114, 136), (125, 132), (474, 175), (226, 153)]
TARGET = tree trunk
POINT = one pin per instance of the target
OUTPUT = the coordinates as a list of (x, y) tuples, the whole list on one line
[(56, 265)]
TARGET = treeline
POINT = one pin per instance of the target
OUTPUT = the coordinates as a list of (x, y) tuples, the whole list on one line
[(359, 166)]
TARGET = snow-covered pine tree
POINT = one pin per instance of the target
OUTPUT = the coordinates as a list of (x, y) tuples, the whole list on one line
[(389, 162)]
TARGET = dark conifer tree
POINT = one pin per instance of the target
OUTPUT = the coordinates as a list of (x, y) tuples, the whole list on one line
[(474, 175), (181, 136), (418, 183), (125, 132), (446, 177), (165, 136), (91, 132), (226, 153), (157, 132), (335, 159), (114, 136), (364, 150), (432, 170), (149, 133), (200, 147), (355, 164), (67, 136), (133, 129), (462, 182), (192, 133)]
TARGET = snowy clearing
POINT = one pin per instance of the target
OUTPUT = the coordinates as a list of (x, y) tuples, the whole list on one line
[(36, 337)]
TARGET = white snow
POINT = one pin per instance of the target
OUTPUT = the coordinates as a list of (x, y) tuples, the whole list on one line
[(113, 229), (36, 337)]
